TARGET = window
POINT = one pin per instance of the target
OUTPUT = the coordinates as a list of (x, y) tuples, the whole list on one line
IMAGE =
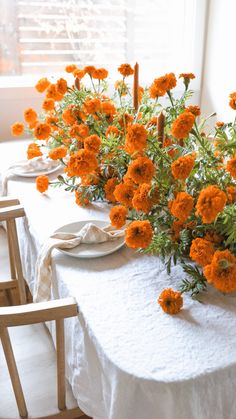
[(41, 37)]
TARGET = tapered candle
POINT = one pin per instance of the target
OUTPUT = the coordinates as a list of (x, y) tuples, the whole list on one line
[(135, 89), (160, 127), (77, 83)]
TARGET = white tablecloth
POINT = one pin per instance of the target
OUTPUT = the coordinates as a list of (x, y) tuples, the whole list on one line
[(126, 358)]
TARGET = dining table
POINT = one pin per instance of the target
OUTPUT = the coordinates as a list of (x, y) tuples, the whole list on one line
[(125, 357)]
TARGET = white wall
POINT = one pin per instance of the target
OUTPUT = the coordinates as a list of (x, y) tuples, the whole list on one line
[(219, 73)]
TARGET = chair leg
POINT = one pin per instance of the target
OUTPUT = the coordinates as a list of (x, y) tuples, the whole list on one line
[(18, 266), (12, 368), (60, 342), (10, 247)]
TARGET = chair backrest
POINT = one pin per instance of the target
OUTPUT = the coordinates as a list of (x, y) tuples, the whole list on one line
[(56, 310), (10, 209)]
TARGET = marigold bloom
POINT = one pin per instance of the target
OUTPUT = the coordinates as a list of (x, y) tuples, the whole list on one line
[(68, 116), (124, 193), (92, 143), (187, 75), (52, 93), (172, 152), (61, 86), (78, 73), (122, 87), (210, 203), (112, 131), (219, 124), (141, 170), (181, 206), (90, 179), (182, 167), (42, 183), (79, 131), (17, 129), (52, 121), (142, 200), (109, 189), (89, 69), (231, 192), (92, 106), (57, 153), (42, 131), (195, 110), (201, 251), (231, 167), (221, 273), (126, 70), (81, 199), (136, 138), (100, 73), (70, 68), (42, 85), (160, 86), (182, 126), (138, 234), (170, 301), (33, 150), (81, 163), (118, 216), (30, 115), (232, 101), (126, 120), (109, 109), (48, 105)]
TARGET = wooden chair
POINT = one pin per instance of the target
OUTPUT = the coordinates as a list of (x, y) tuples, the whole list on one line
[(28, 314), (10, 209)]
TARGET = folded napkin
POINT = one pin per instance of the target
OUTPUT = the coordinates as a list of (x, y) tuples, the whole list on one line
[(37, 164), (89, 234)]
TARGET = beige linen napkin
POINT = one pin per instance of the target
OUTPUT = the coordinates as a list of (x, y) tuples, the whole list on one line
[(36, 164), (89, 234)]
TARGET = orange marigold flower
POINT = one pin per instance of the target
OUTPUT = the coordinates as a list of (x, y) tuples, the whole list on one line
[(79, 131), (210, 203), (221, 273), (92, 143), (81, 199), (109, 109), (182, 167), (142, 200), (126, 70), (52, 121), (78, 73), (30, 115), (201, 251), (42, 131), (109, 189), (17, 129), (124, 193), (70, 68), (90, 179), (231, 167), (136, 138), (232, 101), (100, 73), (141, 170), (68, 116), (170, 301), (122, 87), (138, 234), (57, 153), (89, 69), (61, 86), (52, 93), (118, 216), (42, 183), (81, 163), (195, 110), (231, 192), (187, 75), (160, 86), (48, 105), (182, 126), (181, 206), (112, 131), (219, 124), (126, 119), (152, 121), (168, 143), (33, 150), (92, 106), (42, 85)]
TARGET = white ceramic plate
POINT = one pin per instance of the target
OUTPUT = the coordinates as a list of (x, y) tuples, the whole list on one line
[(88, 251), (18, 171)]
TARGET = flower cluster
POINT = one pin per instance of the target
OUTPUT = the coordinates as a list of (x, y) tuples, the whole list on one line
[(170, 186)]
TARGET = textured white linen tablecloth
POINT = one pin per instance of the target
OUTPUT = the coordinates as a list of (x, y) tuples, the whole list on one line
[(126, 359)]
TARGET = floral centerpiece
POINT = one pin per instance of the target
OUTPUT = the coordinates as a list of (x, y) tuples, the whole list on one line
[(154, 163)]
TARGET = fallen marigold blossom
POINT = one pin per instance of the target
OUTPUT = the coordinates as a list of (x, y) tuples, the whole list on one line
[(201, 251), (138, 234), (221, 273), (42, 183), (170, 301), (210, 203), (118, 216), (33, 150)]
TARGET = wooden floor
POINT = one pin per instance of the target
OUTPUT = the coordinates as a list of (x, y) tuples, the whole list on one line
[(36, 362)]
